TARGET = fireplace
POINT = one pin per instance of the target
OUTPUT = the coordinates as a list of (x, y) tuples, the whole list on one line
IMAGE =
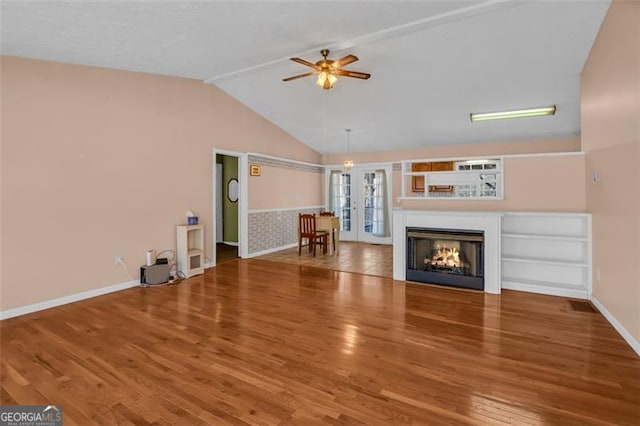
[(450, 257)]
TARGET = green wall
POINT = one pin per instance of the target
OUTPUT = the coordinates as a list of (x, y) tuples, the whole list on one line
[(229, 209)]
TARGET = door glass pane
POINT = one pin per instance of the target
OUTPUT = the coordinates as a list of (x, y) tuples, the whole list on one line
[(342, 199), (373, 203)]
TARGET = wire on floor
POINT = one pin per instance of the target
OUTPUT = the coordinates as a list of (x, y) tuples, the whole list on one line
[(173, 254)]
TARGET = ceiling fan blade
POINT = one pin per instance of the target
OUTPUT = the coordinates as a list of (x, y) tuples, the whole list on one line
[(345, 61), (307, 63), (354, 74), (307, 74)]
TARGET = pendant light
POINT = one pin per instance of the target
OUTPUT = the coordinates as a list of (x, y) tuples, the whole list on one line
[(348, 164)]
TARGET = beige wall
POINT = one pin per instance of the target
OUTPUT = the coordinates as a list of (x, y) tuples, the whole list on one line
[(610, 104), (278, 187), (99, 163)]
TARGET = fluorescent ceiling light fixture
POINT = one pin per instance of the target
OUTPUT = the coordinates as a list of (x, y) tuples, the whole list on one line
[(520, 113)]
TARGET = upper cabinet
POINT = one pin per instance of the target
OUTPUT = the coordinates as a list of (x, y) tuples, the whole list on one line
[(417, 182), (453, 179)]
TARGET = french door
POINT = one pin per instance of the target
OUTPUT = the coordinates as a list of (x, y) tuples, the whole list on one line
[(361, 198)]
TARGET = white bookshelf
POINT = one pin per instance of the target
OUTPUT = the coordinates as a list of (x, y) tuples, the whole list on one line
[(190, 249), (547, 253)]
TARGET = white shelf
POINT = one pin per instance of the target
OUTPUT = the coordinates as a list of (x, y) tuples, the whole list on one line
[(554, 289), (556, 224), (191, 227), (539, 215), (547, 253), (544, 237), (544, 261), (452, 198), (521, 281), (190, 249)]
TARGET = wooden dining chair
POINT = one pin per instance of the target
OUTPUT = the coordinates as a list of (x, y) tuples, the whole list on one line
[(307, 229), (333, 231)]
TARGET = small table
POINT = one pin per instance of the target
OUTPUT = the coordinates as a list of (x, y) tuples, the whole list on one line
[(329, 224)]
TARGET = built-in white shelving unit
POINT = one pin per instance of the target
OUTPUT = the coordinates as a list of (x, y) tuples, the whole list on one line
[(547, 253), (190, 249)]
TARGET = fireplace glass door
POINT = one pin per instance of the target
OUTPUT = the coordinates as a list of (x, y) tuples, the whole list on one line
[(447, 257)]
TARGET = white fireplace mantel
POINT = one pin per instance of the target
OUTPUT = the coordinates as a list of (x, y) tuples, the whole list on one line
[(488, 222)]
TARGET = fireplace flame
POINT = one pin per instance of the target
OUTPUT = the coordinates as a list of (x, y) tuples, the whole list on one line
[(445, 256)]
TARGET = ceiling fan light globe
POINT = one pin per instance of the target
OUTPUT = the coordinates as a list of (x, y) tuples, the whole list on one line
[(321, 78), (326, 80)]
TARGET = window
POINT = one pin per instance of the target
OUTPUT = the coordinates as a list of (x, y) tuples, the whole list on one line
[(341, 198)]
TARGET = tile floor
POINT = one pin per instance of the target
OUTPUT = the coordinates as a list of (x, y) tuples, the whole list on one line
[(370, 259)]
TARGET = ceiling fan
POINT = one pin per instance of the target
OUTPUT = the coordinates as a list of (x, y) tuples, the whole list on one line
[(327, 70)]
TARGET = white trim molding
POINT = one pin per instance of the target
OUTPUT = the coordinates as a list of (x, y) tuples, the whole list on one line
[(635, 345), (243, 215), (284, 209), (285, 160), (271, 250), (363, 165), (41, 306), (498, 156)]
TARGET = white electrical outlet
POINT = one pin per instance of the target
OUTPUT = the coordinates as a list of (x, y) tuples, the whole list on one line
[(598, 276), (119, 260)]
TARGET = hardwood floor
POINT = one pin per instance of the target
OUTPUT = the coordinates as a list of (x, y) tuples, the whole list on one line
[(225, 253), (362, 258), (260, 342)]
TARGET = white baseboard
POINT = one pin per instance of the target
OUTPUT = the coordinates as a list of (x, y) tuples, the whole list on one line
[(551, 291), (231, 243), (271, 250), (635, 345), (40, 306)]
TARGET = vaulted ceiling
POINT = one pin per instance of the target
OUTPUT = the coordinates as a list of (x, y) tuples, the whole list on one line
[(432, 62)]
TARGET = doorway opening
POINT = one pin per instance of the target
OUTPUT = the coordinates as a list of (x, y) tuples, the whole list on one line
[(227, 182)]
